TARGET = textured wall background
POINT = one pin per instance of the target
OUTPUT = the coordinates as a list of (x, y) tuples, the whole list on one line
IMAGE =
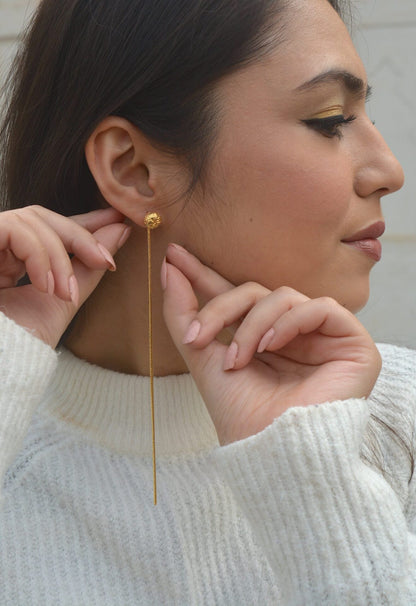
[(12, 17), (387, 44), (386, 37)]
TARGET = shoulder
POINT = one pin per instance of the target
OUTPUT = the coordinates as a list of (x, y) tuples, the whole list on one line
[(394, 395), (397, 380), (389, 444), (43, 440), (399, 359)]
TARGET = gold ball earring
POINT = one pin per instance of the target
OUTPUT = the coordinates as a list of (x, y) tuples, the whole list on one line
[(152, 221)]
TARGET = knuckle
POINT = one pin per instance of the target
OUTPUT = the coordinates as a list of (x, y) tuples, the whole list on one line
[(287, 291), (212, 309), (252, 286), (14, 215), (253, 290), (37, 208), (328, 302), (78, 230), (16, 225), (29, 212)]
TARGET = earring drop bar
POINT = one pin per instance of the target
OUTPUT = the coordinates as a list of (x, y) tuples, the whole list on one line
[(152, 220)]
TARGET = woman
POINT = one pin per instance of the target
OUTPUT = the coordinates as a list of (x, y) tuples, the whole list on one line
[(243, 126)]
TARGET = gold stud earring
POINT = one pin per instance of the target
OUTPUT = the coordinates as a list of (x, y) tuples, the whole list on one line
[(152, 221)]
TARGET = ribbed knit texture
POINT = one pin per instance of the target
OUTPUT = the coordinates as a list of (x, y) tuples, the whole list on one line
[(296, 515)]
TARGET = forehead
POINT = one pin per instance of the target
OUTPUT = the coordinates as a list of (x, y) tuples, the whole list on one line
[(315, 40), (312, 39)]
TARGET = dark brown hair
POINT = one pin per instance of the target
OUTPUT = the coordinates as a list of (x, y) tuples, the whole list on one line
[(153, 62)]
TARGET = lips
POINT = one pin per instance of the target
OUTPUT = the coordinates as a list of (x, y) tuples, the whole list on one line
[(372, 232), (366, 241)]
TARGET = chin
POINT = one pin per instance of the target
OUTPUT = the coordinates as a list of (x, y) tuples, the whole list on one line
[(355, 301)]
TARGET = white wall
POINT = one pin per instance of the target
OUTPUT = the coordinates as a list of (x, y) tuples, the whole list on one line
[(386, 38), (12, 16), (387, 43)]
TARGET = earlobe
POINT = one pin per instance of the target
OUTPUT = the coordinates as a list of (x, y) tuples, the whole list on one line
[(121, 161)]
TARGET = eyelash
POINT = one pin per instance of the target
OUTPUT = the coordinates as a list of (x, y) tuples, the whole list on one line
[(330, 127)]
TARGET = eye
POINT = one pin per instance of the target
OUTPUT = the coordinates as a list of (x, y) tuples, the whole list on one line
[(331, 126)]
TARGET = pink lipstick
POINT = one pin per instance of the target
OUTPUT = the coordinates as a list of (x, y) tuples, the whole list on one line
[(366, 240)]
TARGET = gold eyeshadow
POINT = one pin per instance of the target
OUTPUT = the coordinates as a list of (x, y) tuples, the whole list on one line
[(335, 110)]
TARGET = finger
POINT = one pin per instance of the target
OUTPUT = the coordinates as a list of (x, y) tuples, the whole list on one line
[(205, 365), (222, 311), (260, 324), (180, 307), (60, 313), (94, 220), (26, 246), (89, 251), (205, 281), (86, 279), (327, 322), (60, 263), (11, 269), (75, 238), (323, 314)]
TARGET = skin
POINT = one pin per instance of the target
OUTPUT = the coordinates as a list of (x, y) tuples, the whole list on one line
[(279, 199), (284, 196)]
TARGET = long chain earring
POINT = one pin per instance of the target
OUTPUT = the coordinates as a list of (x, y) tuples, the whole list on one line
[(152, 221)]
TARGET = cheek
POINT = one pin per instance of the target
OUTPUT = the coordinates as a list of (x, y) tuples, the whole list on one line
[(301, 186), (320, 198)]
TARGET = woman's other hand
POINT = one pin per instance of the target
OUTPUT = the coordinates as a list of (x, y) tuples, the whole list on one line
[(37, 242), (286, 349)]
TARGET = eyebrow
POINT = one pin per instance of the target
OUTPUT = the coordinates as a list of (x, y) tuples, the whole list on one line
[(350, 82)]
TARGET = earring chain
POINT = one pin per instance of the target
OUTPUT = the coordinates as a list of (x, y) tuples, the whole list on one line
[(151, 221)]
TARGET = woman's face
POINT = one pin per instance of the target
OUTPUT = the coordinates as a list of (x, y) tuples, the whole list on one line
[(298, 168)]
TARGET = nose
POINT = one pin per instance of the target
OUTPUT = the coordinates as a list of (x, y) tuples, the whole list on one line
[(379, 170)]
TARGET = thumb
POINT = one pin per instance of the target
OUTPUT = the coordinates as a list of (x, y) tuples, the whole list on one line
[(204, 280), (180, 307), (48, 316), (215, 385)]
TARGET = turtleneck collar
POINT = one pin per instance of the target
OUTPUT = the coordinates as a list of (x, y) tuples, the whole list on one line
[(113, 409)]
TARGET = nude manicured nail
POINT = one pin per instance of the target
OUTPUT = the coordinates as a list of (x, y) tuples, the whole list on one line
[(124, 237), (231, 356), (74, 290), (51, 283), (164, 274), (178, 248), (107, 256), (266, 340), (192, 333)]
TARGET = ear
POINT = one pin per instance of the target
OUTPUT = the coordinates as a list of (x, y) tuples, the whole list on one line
[(126, 167)]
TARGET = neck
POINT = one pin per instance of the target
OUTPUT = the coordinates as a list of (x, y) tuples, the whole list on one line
[(111, 330)]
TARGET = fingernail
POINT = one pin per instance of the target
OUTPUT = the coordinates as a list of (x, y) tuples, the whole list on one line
[(178, 248), (192, 333), (164, 274), (51, 283), (74, 290), (266, 340), (124, 237), (231, 356), (107, 256)]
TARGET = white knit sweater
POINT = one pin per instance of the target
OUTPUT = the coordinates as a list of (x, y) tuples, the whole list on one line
[(290, 516)]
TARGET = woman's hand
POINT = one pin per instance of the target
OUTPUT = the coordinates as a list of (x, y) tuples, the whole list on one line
[(287, 350), (37, 241)]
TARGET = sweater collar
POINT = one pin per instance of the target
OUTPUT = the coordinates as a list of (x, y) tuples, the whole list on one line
[(113, 409)]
